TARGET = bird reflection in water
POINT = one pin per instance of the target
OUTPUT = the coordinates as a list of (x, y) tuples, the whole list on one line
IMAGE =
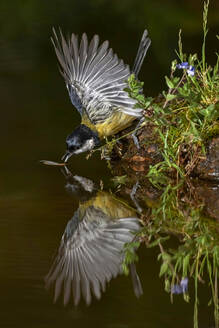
[(91, 251)]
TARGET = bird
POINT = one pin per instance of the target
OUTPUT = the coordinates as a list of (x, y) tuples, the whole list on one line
[(91, 250), (95, 79)]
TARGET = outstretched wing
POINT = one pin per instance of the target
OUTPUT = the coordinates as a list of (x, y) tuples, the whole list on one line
[(94, 76), (90, 255)]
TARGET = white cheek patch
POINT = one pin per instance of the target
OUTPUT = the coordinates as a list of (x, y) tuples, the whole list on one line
[(87, 184), (88, 145)]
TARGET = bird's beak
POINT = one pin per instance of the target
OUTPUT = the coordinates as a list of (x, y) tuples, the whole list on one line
[(66, 156)]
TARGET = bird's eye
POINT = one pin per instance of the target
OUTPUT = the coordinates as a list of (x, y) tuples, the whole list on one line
[(77, 147), (73, 148)]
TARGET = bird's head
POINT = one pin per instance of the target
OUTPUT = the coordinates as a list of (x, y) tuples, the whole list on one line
[(80, 140)]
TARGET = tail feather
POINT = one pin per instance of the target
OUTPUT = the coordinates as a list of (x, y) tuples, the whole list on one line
[(142, 50), (138, 290)]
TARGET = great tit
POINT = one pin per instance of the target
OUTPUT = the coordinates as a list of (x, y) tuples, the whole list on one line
[(95, 79)]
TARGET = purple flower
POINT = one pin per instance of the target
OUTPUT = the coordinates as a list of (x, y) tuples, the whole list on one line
[(180, 288), (184, 284), (183, 65), (189, 68), (176, 289)]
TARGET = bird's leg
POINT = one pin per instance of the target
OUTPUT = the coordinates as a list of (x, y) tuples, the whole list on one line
[(134, 136), (132, 195), (105, 154)]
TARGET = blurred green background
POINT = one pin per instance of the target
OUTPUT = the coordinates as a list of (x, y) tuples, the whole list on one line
[(34, 101)]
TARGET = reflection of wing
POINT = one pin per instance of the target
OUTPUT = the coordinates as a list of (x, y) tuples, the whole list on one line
[(95, 77), (90, 254)]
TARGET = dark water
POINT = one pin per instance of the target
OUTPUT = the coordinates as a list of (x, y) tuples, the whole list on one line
[(33, 219), (36, 115)]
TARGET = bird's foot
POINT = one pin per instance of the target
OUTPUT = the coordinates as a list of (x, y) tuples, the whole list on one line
[(135, 139), (132, 195), (134, 134)]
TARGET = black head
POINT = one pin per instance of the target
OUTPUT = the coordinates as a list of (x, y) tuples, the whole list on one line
[(80, 140)]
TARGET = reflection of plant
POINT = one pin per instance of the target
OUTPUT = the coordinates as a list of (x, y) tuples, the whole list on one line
[(199, 248), (180, 215), (130, 255)]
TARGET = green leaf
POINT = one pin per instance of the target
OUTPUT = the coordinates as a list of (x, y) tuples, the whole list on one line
[(186, 264), (211, 113), (208, 110), (169, 83), (175, 80), (167, 285), (125, 269), (158, 241), (173, 65), (163, 269), (148, 101), (184, 91), (120, 180), (140, 98), (186, 297), (170, 97)]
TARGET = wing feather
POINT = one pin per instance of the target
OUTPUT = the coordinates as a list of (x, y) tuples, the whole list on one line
[(83, 54), (95, 77), (90, 55), (90, 255)]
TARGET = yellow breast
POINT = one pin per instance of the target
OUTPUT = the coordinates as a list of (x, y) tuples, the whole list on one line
[(110, 205), (116, 123)]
